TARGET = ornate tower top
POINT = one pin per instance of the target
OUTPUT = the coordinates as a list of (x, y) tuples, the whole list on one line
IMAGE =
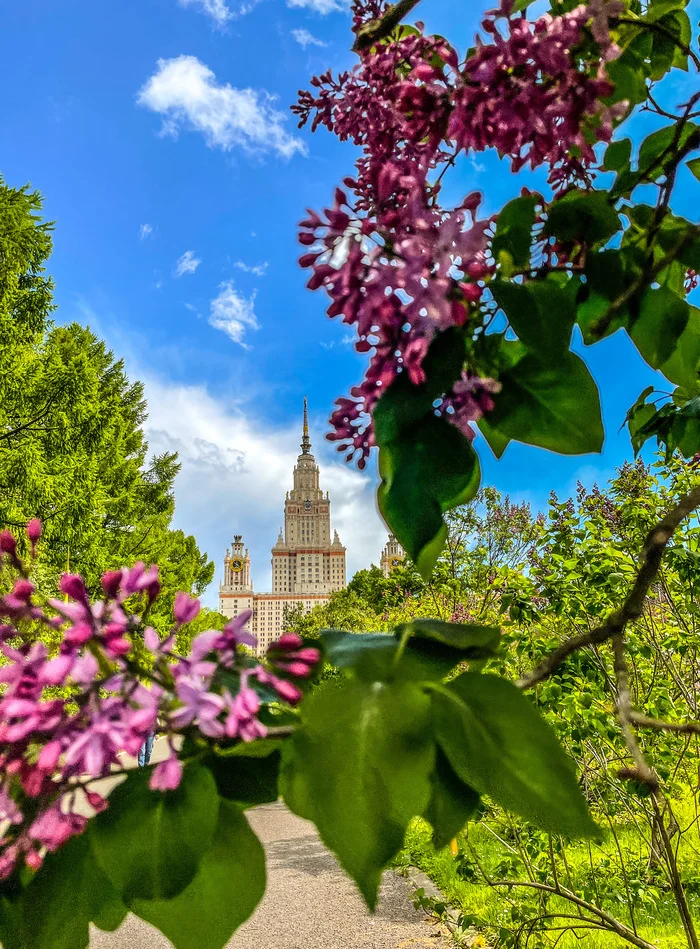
[(305, 440)]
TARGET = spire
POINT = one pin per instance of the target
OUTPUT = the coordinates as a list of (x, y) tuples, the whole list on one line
[(305, 441)]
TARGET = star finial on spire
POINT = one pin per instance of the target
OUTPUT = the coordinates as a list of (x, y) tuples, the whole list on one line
[(305, 441)]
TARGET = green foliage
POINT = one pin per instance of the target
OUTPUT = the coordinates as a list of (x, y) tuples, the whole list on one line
[(228, 885), (513, 236), (553, 406), (452, 802), (72, 447), (498, 744), (61, 901), (150, 844), (373, 739)]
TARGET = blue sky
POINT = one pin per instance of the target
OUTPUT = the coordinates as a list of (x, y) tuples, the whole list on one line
[(160, 136)]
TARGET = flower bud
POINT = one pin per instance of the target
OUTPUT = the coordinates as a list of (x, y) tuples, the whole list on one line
[(73, 586), (8, 544)]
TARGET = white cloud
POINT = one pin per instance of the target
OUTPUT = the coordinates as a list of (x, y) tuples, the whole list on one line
[(346, 340), (187, 94), (235, 471), (233, 313), (318, 6), (216, 9), (145, 231), (304, 38), (188, 263), (258, 270)]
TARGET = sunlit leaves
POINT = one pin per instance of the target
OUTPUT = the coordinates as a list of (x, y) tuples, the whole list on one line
[(150, 843), (553, 406), (662, 319), (360, 767), (226, 889), (541, 313), (472, 641), (499, 745)]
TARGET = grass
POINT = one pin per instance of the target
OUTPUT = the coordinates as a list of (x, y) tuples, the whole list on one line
[(595, 874)]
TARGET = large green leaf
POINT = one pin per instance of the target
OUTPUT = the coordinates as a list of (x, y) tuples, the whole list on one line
[(617, 155), (229, 884), (582, 216), (359, 768), (663, 317), (150, 843), (469, 639), (425, 472), (513, 236), (541, 313), (247, 780), (499, 745), (67, 894), (375, 657), (550, 405), (452, 802), (682, 366)]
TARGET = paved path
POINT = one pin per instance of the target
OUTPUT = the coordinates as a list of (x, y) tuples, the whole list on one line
[(309, 903)]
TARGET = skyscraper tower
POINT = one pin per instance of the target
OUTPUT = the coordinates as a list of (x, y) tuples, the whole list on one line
[(307, 564)]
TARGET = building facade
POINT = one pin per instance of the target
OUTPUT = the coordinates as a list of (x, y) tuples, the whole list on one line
[(308, 564), (392, 556)]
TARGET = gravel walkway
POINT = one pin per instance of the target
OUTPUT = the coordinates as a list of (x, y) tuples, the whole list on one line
[(309, 902)]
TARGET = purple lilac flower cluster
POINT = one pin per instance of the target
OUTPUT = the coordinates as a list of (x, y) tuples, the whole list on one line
[(53, 748), (395, 264)]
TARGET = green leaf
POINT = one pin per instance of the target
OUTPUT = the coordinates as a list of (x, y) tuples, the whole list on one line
[(424, 473), (694, 165), (372, 656), (629, 79), (637, 420), (663, 317), (553, 406), (229, 884), (499, 745), (541, 313), (514, 231), (451, 804), (658, 150), (682, 367), (404, 405), (150, 843), (617, 155), (246, 780), (474, 642), (67, 893), (359, 768), (586, 216)]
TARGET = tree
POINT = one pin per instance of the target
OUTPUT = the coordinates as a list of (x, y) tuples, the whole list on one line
[(72, 448)]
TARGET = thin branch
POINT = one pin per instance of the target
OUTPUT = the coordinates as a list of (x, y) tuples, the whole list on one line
[(370, 33), (683, 728), (633, 606), (613, 924), (623, 707)]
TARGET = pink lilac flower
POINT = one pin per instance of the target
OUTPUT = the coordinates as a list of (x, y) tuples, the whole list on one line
[(185, 608), (241, 721), (197, 706), (47, 745), (166, 775)]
